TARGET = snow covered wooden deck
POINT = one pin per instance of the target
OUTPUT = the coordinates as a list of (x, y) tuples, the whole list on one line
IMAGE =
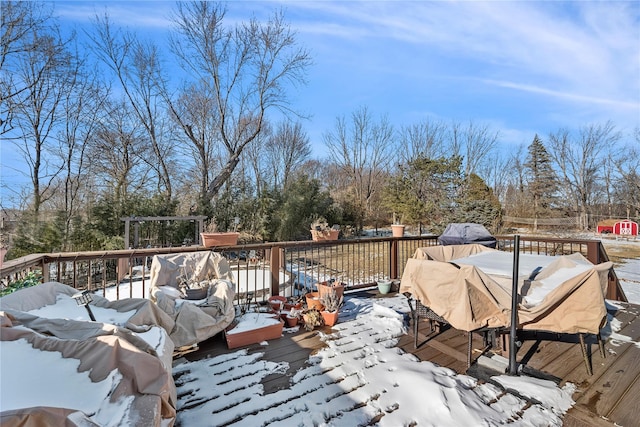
[(608, 397), (283, 381)]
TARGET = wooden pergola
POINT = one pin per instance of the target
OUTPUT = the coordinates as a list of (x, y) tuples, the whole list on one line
[(136, 220)]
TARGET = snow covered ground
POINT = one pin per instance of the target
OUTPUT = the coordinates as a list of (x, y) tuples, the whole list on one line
[(628, 270), (629, 275)]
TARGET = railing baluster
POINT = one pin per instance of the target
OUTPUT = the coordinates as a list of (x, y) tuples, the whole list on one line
[(356, 262), (104, 274), (131, 277)]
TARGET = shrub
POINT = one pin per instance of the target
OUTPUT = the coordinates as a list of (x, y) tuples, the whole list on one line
[(31, 279)]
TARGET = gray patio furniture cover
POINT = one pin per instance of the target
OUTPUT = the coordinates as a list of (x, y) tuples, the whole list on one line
[(566, 296), (195, 320), (101, 348), (466, 233)]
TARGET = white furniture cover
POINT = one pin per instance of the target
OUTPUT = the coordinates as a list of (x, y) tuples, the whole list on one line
[(195, 320), (135, 355)]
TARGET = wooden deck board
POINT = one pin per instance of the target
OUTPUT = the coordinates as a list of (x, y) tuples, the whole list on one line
[(608, 396), (559, 357), (563, 359), (605, 393), (627, 410), (581, 417), (610, 391)]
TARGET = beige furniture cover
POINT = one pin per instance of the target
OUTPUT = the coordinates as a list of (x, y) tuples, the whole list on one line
[(195, 320), (146, 372), (566, 296)]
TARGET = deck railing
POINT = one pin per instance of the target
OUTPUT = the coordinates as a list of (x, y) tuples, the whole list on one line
[(285, 268)]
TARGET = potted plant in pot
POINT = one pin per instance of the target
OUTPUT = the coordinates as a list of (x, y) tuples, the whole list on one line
[(330, 285), (312, 318), (320, 230), (293, 317), (211, 237), (397, 228), (332, 303)]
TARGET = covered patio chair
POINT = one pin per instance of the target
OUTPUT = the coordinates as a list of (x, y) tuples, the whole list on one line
[(197, 290)]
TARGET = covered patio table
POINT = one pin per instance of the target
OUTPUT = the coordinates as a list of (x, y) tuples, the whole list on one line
[(470, 287)]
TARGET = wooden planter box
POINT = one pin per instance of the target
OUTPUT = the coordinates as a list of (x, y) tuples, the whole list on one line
[(324, 235), (253, 336), (219, 239)]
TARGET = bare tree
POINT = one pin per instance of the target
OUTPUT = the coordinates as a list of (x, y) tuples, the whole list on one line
[(258, 161), (82, 106), (286, 150), (497, 173), (579, 160), (422, 140), (361, 150), (114, 149), (46, 72), (515, 196), (474, 143), (22, 24), (137, 68), (194, 111), (241, 70), (626, 161)]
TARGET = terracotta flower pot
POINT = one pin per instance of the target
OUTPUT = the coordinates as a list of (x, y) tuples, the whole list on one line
[(326, 288), (288, 306), (219, 239), (397, 230), (292, 321), (242, 337), (313, 301), (317, 235), (276, 302), (330, 318)]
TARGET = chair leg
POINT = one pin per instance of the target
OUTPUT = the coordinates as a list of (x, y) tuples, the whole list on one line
[(583, 347), (416, 320), (469, 349), (601, 346)]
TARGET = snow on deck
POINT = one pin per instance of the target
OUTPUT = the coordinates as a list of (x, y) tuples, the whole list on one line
[(361, 376)]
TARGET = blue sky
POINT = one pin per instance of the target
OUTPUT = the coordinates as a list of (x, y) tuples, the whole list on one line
[(521, 67)]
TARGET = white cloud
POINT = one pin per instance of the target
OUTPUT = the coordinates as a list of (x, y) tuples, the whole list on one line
[(565, 95), (139, 15), (586, 51)]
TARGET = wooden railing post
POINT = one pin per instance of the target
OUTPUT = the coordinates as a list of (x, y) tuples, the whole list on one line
[(274, 267), (393, 262), (593, 251), (45, 271)]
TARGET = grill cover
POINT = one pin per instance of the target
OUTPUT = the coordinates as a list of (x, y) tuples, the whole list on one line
[(466, 233)]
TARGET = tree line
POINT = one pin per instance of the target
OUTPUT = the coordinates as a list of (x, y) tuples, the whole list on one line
[(111, 125)]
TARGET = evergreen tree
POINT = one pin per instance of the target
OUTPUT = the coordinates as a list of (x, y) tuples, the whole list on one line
[(301, 203), (425, 190), (479, 205), (542, 182)]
